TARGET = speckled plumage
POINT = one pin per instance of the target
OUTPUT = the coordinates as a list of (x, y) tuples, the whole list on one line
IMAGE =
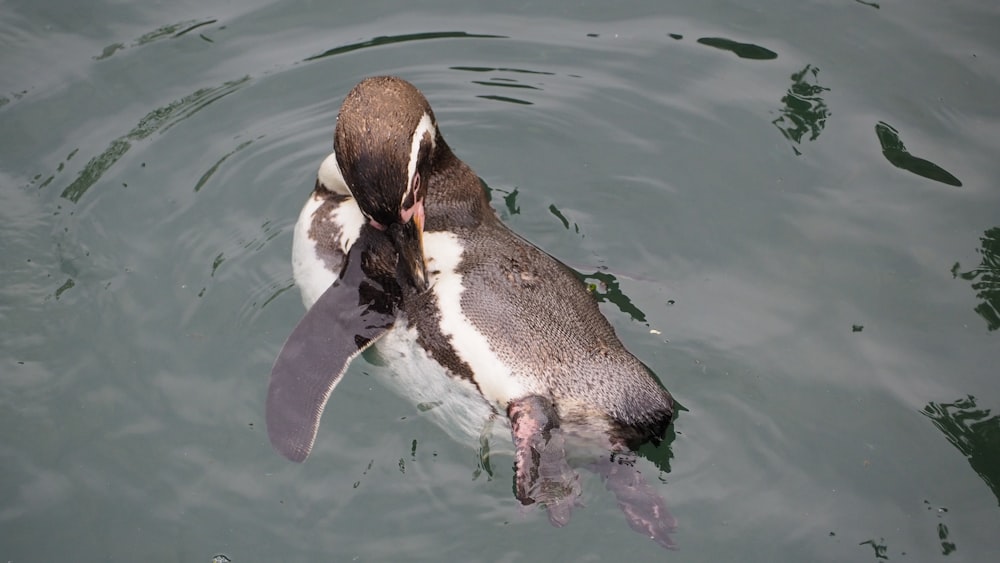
[(537, 315)]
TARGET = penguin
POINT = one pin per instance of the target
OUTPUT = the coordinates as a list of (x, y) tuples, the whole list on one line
[(398, 239)]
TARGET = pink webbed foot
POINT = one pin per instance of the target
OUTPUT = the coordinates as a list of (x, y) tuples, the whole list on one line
[(644, 508), (541, 472)]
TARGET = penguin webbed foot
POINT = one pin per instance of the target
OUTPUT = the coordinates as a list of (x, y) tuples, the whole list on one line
[(645, 510), (542, 473)]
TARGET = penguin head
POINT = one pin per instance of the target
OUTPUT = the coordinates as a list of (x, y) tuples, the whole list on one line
[(384, 141), (384, 144)]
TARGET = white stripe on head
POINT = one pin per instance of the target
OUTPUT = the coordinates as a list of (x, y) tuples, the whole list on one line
[(424, 126), (331, 177)]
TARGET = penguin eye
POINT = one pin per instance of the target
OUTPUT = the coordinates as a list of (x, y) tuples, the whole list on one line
[(417, 191), (413, 194)]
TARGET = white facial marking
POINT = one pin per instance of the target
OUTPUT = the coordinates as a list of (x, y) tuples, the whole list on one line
[(495, 381), (331, 177), (424, 127)]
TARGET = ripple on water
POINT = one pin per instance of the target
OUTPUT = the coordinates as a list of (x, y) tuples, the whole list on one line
[(618, 145), (158, 120)]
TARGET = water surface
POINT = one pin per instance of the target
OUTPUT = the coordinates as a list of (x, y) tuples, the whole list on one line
[(789, 211)]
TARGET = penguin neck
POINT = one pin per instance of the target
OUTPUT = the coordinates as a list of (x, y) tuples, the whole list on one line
[(450, 203)]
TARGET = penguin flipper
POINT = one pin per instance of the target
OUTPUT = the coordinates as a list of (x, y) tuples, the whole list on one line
[(347, 318)]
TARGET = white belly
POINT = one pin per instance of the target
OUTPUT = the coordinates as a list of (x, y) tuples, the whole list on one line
[(311, 272), (495, 380), (451, 403)]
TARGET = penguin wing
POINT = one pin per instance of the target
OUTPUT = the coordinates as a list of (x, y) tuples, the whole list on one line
[(348, 318)]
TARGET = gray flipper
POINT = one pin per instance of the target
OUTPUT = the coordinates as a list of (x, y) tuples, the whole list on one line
[(358, 309)]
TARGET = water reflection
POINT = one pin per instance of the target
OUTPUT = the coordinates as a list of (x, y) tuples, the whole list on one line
[(742, 50), (986, 278), (510, 205), (504, 83), (390, 39), (946, 546), (160, 119), (195, 26), (67, 285), (510, 202), (974, 432), (661, 454), (215, 167), (500, 69), (507, 99), (895, 152), (605, 288), (805, 111), (562, 218), (880, 547), (164, 32)]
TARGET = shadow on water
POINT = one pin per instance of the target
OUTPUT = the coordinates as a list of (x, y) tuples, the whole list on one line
[(895, 152), (805, 111), (974, 432), (985, 278)]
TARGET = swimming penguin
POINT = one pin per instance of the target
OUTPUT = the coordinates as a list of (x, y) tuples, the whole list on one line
[(398, 237)]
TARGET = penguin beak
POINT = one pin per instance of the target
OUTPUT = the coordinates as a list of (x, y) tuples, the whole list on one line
[(409, 243)]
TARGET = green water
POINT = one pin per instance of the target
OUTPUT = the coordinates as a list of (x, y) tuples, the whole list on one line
[(789, 210)]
